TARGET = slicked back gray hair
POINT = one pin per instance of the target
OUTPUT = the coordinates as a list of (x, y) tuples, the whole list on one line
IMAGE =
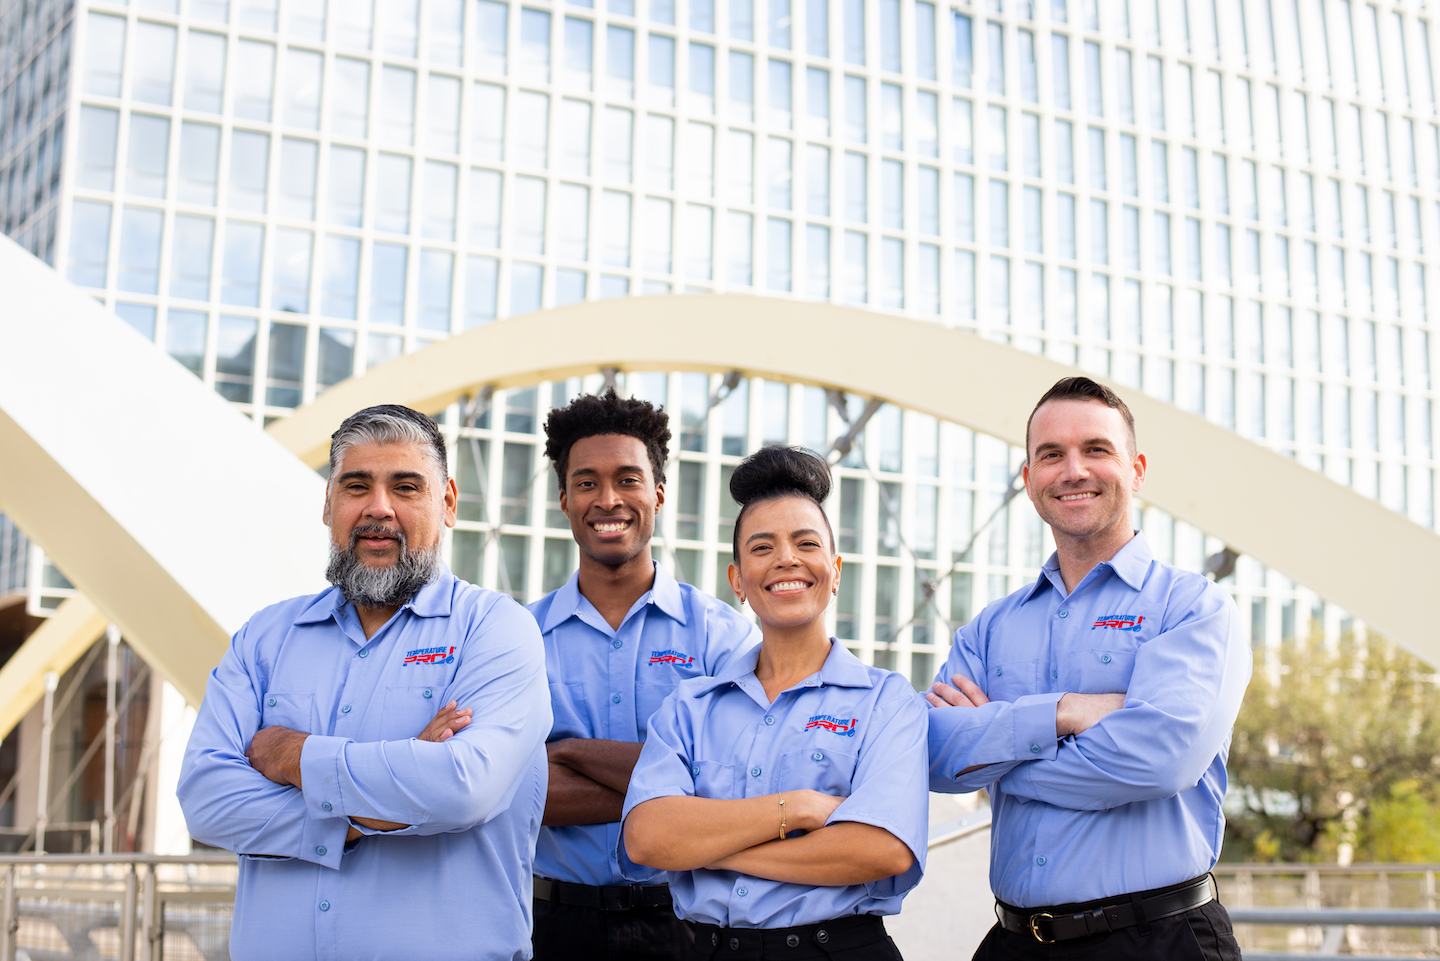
[(389, 424)]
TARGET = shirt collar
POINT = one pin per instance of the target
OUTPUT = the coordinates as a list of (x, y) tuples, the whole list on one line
[(1131, 563), (432, 600), (664, 593), (841, 669)]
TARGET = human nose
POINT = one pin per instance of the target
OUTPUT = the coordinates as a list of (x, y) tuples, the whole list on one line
[(785, 555), (609, 496), (1075, 467), (378, 506)]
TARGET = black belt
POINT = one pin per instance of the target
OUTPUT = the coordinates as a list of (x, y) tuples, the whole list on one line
[(803, 941), (608, 897), (1048, 925)]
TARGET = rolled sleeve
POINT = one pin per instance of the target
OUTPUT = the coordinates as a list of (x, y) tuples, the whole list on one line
[(663, 770), (889, 787)]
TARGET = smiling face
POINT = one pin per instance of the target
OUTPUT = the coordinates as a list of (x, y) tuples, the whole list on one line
[(786, 569), (611, 498), (383, 494), (1081, 470)]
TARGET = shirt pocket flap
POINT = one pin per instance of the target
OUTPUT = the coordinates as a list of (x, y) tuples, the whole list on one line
[(820, 769), (408, 708), (1011, 679), (715, 780), (1101, 670), (295, 711)]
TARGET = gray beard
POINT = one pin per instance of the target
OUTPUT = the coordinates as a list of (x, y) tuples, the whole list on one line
[(380, 587)]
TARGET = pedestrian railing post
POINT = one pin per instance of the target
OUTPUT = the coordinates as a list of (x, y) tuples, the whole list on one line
[(9, 917), (127, 915), (154, 923)]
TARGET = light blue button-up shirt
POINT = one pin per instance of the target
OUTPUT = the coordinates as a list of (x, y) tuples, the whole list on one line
[(606, 682), (457, 882), (1134, 802), (848, 730)]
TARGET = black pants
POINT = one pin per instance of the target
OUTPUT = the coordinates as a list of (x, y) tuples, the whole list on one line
[(570, 932), (857, 938), (1203, 934)]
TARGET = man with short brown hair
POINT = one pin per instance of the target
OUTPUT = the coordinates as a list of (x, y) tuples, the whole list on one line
[(1096, 706)]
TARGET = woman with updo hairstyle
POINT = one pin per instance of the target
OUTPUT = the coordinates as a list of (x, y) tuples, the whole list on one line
[(787, 796)]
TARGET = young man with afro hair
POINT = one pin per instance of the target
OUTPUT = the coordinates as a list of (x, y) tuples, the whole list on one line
[(619, 636)]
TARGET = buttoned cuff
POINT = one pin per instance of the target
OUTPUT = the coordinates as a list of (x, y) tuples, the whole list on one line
[(320, 773), (1034, 718)]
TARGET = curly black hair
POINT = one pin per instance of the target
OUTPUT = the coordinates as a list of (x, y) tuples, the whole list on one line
[(590, 415), (777, 471)]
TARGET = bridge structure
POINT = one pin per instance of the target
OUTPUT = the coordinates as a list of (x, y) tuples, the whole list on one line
[(175, 517)]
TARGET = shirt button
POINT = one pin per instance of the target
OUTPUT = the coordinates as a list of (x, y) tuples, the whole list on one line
[(615, 698), (1040, 860), (755, 772), (617, 643), (742, 891), (365, 653), (269, 702), (324, 905), (695, 770), (320, 850), (1064, 613), (999, 671), (325, 806), (1054, 672), (345, 709), (1034, 749), (1104, 658), (817, 756), (769, 719), (426, 694)]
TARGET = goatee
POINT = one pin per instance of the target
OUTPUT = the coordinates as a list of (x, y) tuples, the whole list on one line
[(380, 587)]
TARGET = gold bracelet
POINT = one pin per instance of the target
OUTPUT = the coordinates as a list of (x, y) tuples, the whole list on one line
[(782, 819)]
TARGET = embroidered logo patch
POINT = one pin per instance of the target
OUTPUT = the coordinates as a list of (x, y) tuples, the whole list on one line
[(670, 657), (430, 655), (843, 726), (1120, 622)]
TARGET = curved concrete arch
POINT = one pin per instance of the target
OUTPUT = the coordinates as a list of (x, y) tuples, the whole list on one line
[(1349, 549), (172, 513)]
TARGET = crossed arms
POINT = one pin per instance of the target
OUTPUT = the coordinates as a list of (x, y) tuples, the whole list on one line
[(1177, 711), (324, 788)]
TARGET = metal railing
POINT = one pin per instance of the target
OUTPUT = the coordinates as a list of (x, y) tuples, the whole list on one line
[(133, 907), (1286, 912)]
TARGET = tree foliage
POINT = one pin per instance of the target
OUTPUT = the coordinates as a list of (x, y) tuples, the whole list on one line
[(1336, 750)]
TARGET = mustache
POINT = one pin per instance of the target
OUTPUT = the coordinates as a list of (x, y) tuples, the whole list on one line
[(376, 530)]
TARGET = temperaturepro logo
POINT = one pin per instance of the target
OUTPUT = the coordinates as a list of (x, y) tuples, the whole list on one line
[(1120, 622), (430, 655), (670, 657), (843, 726)]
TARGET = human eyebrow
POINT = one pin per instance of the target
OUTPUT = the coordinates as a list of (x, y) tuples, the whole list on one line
[(759, 535), (350, 475), (1046, 447), (804, 532), (408, 475)]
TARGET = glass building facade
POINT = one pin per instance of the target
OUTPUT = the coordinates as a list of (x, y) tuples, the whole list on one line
[(1233, 205)]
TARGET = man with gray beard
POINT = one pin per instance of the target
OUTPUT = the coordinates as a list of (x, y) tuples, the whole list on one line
[(367, 828)]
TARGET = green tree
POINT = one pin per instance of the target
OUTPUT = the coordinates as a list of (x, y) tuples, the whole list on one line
[(1336, 747)]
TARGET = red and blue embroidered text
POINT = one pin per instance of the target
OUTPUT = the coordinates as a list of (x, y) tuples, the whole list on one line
[(1120, 622), (430, 655), (843, 726), (670, 657)]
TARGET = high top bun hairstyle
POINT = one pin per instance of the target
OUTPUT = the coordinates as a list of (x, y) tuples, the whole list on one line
[(777, 471)]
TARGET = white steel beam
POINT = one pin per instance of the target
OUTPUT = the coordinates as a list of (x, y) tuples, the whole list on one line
[(1349, 549)]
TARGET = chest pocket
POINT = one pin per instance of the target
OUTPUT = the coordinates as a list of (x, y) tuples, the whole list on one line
[(1101, 670), (820, 769), (295, 711), (715, 780), (1008, 680), (408, 708)]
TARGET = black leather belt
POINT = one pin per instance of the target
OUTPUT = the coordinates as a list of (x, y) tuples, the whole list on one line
[(608, 897), (1048, 925), (783, 944)]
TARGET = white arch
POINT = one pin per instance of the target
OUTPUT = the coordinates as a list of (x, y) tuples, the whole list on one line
[(173, 514), (1370, 560)]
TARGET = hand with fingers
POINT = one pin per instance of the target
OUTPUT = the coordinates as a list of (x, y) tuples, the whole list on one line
[(964, 693), (447, 722)]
